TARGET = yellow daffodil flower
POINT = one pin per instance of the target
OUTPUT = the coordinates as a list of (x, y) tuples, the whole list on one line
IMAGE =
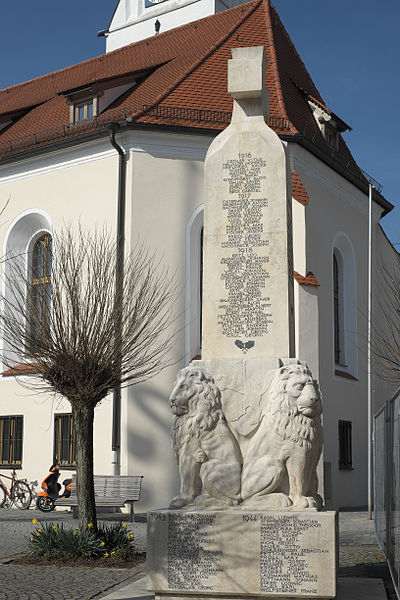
[(55, 528), (34, 521), (106, 554), (90, 525), (125, 525), (75, 532), (113, 552), (102, 544)]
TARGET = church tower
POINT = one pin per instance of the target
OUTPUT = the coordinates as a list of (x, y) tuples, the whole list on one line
[(135, 20)]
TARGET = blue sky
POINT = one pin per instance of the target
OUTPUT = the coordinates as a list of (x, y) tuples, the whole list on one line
[(351, 49)]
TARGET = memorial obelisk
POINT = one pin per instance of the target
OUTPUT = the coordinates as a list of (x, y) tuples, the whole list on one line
[(248, 266), (247, 431)]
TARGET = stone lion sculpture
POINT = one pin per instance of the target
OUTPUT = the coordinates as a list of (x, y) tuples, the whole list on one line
[(279, 468), (207, 452)]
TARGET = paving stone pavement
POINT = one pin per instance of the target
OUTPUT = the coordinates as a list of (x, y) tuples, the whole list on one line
[(359, 556), (49, 583), (18, 582)]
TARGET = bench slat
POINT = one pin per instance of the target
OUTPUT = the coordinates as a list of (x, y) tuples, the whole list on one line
[(110, 490)]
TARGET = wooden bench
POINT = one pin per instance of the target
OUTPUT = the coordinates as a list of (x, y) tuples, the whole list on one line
[(111, 491)]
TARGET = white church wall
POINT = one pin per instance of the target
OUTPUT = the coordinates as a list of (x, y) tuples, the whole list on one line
[(133, 21), (70, 190), (337, 208), (162, 208)]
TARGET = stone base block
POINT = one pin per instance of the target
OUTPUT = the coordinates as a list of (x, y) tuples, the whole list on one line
[(242, 554)]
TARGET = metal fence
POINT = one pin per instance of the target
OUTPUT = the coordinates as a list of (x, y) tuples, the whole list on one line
[(387, 484)]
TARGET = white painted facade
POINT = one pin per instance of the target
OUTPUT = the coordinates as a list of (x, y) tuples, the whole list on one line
[(166, 212), (164, 208), (135, 20)]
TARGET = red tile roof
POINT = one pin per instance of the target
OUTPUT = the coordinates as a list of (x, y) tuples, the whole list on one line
[(179, 72), (22, 369), (309, 279), (299, 192)]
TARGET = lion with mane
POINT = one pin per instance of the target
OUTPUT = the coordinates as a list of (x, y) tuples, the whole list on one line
[(207, 452), (280, 465)]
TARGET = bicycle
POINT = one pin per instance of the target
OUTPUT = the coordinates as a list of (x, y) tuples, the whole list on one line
[(19, 494)]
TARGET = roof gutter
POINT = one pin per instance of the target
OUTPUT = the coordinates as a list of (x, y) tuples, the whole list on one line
[(294, 139), (119, 286), (352, 178)]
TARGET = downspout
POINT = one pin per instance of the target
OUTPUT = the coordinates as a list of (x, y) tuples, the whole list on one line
[(369, 371), (119, 282)]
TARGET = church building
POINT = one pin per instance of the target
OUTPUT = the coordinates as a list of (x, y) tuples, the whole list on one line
[(155, 100)]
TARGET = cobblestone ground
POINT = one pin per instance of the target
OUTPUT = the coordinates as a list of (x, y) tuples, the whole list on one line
[(18, 582), (359, 556), (359, 553), (49, 583)]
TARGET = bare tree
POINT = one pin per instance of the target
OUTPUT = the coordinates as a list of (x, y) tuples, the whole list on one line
[(81, 336), (386, 323)]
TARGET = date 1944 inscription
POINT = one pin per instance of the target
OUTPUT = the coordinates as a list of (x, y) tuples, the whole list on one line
[(246, 311)]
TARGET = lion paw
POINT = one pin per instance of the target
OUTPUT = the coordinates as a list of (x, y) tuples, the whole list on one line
[(304, 502), (180, 502)]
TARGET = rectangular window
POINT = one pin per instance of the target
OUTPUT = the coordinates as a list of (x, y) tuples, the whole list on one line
[(64, 440), (345, 452), (84, 111), (11, 429)]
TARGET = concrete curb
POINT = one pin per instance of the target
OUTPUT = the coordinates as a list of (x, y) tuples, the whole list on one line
[(349, 588)]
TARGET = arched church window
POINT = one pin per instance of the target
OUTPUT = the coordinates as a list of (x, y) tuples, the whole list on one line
[(194, 284), (338, 334), (40, 293), (201, 285), (344, 305), (28, 248)]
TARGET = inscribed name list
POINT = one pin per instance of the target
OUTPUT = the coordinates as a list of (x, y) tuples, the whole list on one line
[(246, 275), (246, 309), (270, 554)]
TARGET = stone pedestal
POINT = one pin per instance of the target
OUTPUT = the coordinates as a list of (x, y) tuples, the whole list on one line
[(237, 553)]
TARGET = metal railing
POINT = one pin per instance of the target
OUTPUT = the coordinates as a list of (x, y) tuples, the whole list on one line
[(387, 484), (184, 113), (62, 131)]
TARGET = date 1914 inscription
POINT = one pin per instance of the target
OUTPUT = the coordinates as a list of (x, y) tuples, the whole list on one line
[(246, 311)]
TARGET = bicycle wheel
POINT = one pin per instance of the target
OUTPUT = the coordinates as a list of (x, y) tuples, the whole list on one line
[(3, 497), (21, 495)]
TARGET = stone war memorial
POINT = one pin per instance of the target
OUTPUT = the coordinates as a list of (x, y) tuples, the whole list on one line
[(248, 521)]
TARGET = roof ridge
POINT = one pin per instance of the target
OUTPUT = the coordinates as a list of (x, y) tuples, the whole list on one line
[(252, 6), (289, 39), (274, 65), (105, 55)]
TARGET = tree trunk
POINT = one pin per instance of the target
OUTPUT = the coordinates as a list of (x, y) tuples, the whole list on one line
[(83, 415)]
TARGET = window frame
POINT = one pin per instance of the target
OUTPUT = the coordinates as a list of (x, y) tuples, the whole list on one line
[(345, 447), (13, 441), (338, 331), (194, 241), (345, 321), (85, 105), (40, 282), (58, 441)]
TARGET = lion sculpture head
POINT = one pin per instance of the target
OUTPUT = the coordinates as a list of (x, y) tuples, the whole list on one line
[(196, 403), (293, 402)]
